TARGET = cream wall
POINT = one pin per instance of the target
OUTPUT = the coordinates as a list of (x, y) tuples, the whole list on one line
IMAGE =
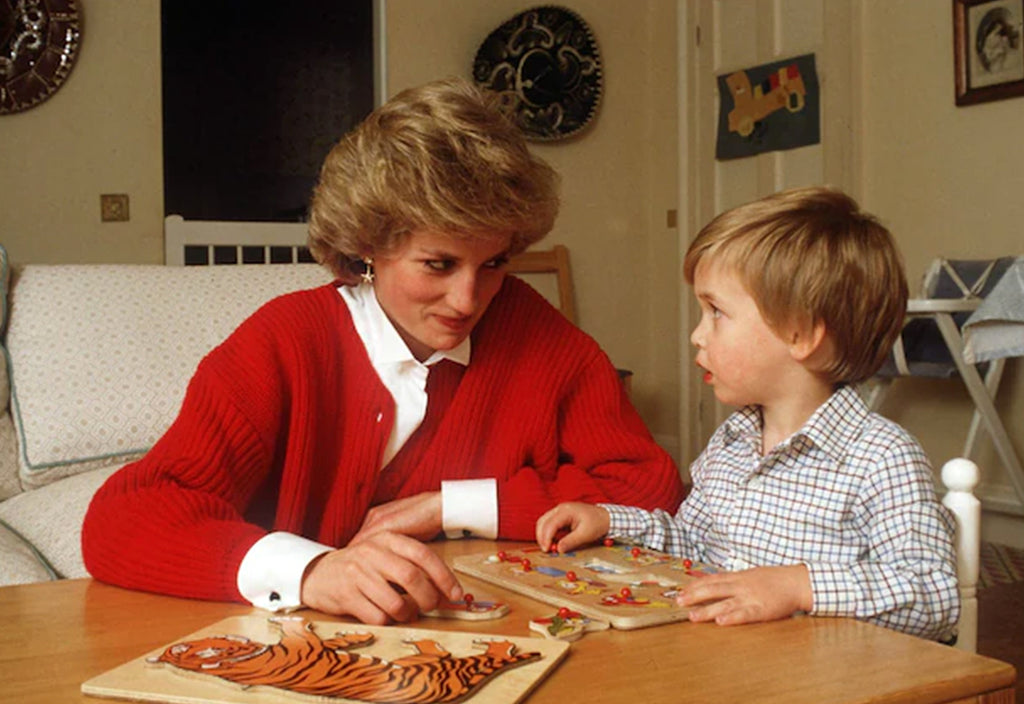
[(100, 133), (947, 181), (618, 178)]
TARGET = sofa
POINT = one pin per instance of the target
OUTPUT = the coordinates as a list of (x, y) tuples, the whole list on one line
[(97, 361)]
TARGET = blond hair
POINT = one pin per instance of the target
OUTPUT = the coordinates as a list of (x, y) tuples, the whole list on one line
[(439, 157), (810, 255)]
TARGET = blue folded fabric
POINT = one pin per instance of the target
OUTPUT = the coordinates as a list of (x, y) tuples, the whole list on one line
[(996, 328)]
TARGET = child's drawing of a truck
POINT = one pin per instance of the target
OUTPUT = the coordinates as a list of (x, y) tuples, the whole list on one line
[(782, 89)]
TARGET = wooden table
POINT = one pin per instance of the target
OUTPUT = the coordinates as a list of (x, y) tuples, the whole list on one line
[(54, 636)]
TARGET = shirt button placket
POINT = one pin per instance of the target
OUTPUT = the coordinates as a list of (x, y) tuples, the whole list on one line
[(753, 479)]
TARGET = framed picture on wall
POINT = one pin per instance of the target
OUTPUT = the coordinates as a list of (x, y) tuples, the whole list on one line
[(988, 50)]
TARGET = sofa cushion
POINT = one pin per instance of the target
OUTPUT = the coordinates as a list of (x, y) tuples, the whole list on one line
[(50, 520), (100, 355), (9, 485), (20, 562)]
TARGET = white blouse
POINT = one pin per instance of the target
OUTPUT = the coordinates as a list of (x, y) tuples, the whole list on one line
[(270, 575)]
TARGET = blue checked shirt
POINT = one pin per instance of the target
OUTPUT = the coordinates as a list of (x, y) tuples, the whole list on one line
[(850, 495)]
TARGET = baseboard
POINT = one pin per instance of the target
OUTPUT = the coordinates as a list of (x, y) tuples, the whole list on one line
[(1002, 516), (1003, 529), (1000, 499)]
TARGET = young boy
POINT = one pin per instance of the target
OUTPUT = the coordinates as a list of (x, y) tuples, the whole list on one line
[(811, 503)]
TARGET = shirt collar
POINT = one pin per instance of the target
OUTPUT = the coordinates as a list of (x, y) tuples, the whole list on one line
[(383, 344), (833, 427), (838, 422)]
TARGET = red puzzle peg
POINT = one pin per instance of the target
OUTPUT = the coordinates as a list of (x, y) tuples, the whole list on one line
[(687, 564), (626, 592), (564, 613), (526, 565), (571, 576), (502, 555), (608, 542), (635, 552), (553, 549), (468, 598)]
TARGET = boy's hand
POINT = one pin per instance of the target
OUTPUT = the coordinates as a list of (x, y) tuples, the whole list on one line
[(748, 596), (585, 523)]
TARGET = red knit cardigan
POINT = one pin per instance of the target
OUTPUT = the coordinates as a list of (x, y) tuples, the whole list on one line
[(283, 426)]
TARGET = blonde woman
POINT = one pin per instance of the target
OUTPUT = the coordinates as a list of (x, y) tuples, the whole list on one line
[(424, 392)]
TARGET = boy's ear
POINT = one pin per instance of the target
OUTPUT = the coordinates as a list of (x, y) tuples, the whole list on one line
[(807, 340)]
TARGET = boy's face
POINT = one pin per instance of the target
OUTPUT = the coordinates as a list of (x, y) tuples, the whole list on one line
[(744, 359)]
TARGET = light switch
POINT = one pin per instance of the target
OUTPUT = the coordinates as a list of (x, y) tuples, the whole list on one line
[(114, 207)]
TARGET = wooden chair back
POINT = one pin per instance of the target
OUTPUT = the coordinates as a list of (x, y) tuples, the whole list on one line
[(549, 261)]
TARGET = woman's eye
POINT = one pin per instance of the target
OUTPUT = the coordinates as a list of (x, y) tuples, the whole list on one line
[(497, 262), (439, 264)]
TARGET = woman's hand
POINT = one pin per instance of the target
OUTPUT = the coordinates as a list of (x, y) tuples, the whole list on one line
[(416, 516), (581, 524), (387, 577), (748, 596)]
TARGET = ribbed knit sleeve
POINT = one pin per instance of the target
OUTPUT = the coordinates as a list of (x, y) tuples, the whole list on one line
[(173, 522), (257, 445), (605, 454), (584, 440)]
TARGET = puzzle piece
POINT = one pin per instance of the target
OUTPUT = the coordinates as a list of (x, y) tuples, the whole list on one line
[(469, 609), (567, 625)]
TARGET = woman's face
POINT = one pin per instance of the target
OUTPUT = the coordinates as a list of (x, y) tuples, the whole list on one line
[(436, 287)]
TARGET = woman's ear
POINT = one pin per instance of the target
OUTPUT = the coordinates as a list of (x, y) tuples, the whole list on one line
[(807, 341)]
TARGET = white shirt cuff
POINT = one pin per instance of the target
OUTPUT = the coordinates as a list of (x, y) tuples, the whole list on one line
[(270, 576), (470, 505)]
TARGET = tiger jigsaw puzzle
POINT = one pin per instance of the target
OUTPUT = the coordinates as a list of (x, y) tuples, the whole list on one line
[(303, 663)]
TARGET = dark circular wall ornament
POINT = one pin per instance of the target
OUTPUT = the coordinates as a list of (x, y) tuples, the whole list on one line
[(546, 69), (39, 42)]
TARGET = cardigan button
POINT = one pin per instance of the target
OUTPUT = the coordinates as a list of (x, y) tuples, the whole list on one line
[(380, 417)]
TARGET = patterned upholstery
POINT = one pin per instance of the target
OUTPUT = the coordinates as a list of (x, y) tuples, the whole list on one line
[(100, 355)]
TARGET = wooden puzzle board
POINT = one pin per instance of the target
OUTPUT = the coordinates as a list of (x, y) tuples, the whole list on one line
[(601, 572), (139, 680)]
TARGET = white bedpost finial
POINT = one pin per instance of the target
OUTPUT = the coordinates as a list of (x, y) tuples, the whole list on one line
[(960, 477), (960, 474)]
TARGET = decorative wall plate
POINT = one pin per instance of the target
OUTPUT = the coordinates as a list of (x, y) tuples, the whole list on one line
[(39, 42), (545, 67)]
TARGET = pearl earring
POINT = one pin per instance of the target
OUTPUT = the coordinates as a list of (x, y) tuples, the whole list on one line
[(367, 274)]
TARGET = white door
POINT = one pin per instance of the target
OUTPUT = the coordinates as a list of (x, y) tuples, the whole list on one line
[(729, 35)]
